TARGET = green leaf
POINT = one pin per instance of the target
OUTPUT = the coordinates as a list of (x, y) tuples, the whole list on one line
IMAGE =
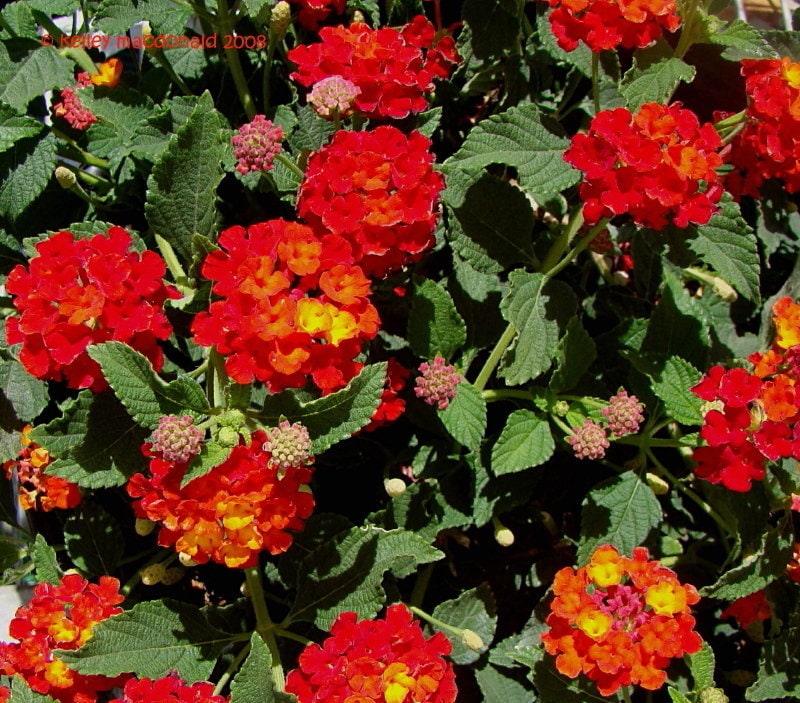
[(97, 443), (181, 189), (22, 693), (434, 325), (498, 687), (474, 610), (672, 383), (758, 569), (26, 394), (537, 308), (621, 511), (333, 417), (465, 417), (45, 562), (742, 41), (525, 441), (676, 696), (346, 573), (779, 669), (42, 69), (785, 43), (149, 639), (253, 683), (138, 387), (311, 132), (524, 138), (495, 25), (553, 687), (14, 127), (494, 221), (728, 244), (575, 353), (655, 83), (118, 16), (211, 455), (25, 173), (701, 666), (94, 539)]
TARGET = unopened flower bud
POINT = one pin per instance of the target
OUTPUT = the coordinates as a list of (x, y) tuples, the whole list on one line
[(186, 560), (172, 575), (623, 414), (144, 527), (152, 574), (560, 408), (279, 20), (472, 640), (256, 144), (657, 484), (394, 487), (502, 535), (358, 16), (227, 436), (333, 96), (65, 177), (713, 695)]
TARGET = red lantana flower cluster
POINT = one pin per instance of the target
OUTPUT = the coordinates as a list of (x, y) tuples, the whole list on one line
[(37, 490), (620, 620), (77, 292), (769, 145), (168, 689), (378, 190), (60, 616), (242, 506), (375, 661), (313, 12), (292, 307), (611, 24), (748, 610), (392, 68), (656, 165), (754, 417)]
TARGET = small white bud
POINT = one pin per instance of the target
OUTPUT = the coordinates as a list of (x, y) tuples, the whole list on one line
[(394, 487)]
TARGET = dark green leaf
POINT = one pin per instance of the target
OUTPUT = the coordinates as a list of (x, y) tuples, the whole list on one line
[(656, 83), (537, 308), (22, 693), (211, 455), (521, 137), (26, 394), (742, 41), (434, 325), (45, 563), (499, 687), (701, 666), (779, 669), (14, 127), (93, 538), (149, 639), (495, 25), (575, 353), (254, 683), (25, 173), (621, 511), (42, 69), (181, 190), (465, 416), (525, 441), (474, 610)]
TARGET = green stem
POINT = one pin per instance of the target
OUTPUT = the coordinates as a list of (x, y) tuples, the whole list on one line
[(643, 441), (163, 61), (80, 57), (83, 156), (688, 14), (625, 693), (494, 357), (291, 165), (584, 242), (493, 395), (457, 631), (423, 579), (596, 81), (289, 635), (225, 28), (232, 668), (264, 624), (562, 242), (266, 90)]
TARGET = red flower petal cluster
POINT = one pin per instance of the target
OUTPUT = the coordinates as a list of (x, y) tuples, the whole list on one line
[(241, 507), (392, 406), (77, 292), (757, 415), (73, 111), (37, 490), (379, 191), (769, 145), (293, 307), (748, 610), (375, 661), (657, 165), (392, 68), (313, 12), (620, 620), (60, 616), (168, 689), (610, 24)]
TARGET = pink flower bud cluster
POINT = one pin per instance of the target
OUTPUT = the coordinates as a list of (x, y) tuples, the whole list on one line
[(289, 445), (437, 383), (621, 416), (256, 144), (333, 96), (176, 438)]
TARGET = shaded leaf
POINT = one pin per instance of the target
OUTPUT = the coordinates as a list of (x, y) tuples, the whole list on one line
[(25, 173), (525, 441), (474, 610), (44, 68), (465, 417), (434, 325), (94, 539)]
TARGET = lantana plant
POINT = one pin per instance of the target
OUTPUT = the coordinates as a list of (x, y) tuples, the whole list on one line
[(418, 351)]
